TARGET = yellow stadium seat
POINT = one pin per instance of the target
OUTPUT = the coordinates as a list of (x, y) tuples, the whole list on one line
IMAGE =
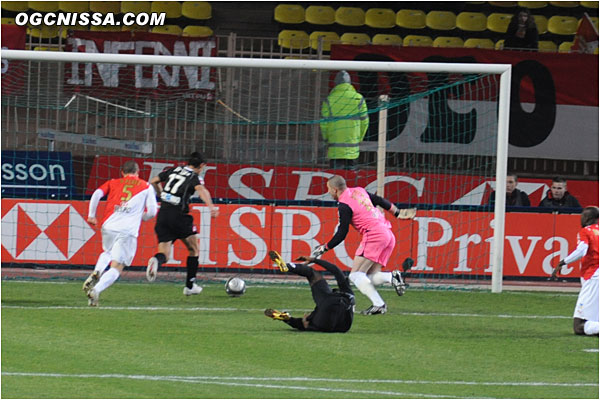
[(320, 15), (565, 4), (589, 4), (542, 23), (478, 43), (289, 13), (46, 48), (471, 21), (565, 47), (447, 41), (596, 51), (135, 28), (291, 39), (503, 4), (168, 29), (106, 28), (350, 16), (387, 39), (411, 19), (562, 25), (15, 5), (498, 22), (328, 38), (499, 44), (196, 9), (43, 6), (384, 18), (355, 38), (74, 6), (547, 46), (197, 31), (8, 21), (441, 20), (417, 41), (43, 32), (135, 7), (105, 7), (533, 4), (172, 9)]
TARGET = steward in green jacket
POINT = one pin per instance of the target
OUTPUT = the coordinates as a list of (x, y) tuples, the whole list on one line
[(345, 122)]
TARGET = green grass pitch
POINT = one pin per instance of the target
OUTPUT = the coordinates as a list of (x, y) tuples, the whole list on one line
[(149, 341)]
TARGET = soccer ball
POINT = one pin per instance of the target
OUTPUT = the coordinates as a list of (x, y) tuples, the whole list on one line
[(235, 287)]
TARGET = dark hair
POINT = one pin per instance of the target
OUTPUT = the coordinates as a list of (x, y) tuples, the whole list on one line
[(530, 20), (130, 167), (589, 216), (196, 158), (559, 179), (509, 173)]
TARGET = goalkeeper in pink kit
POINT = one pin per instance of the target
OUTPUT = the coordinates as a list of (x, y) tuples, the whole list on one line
[(358, 208)]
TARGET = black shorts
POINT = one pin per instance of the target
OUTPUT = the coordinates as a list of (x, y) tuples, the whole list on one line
[(172, 224)]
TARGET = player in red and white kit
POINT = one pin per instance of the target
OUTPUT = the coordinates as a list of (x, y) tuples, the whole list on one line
[(585, 317), (128, 197)]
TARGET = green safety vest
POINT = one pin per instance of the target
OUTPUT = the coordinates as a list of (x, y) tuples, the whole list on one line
[(345, 122)]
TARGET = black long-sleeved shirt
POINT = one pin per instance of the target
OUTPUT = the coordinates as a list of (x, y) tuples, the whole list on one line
[(345, 213)]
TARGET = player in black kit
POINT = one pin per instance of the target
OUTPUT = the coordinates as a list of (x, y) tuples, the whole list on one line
[(335, 308), (175, 186)]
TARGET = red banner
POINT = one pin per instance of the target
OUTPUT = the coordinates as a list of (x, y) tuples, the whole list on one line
[(554, 101), (441, 242), (572, 78), (13, 75), (140, 80), (234, 181)]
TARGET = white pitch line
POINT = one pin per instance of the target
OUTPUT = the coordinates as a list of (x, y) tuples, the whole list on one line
[(150, 308), (227, 382)]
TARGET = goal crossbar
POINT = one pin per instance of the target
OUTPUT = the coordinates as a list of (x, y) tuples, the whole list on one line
[(504, 70)]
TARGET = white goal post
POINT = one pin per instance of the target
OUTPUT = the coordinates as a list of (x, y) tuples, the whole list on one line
[(504, 70)]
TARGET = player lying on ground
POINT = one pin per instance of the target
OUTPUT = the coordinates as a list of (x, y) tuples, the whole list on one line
[(334, 309), (585, 317), (127, 199), (357, 207)]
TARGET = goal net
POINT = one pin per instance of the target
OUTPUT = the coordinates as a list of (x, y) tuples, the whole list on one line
[(70, 120)]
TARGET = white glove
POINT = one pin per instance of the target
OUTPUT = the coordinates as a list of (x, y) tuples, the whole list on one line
[(318, 251), (406, 213)]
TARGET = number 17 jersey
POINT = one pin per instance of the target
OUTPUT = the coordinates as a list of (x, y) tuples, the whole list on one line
[(179, 184)]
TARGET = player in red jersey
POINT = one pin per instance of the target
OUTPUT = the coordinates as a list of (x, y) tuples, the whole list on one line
[(585, 317), (128, 197)]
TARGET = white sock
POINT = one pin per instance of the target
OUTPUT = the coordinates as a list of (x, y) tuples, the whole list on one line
[(379, 278), (364, 284), (107, 279), (104, 260), (590, 327)]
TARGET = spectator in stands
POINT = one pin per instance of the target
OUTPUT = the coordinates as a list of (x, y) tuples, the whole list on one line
[(558, 196), (345, 122), (514, 196), (522, 32)]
